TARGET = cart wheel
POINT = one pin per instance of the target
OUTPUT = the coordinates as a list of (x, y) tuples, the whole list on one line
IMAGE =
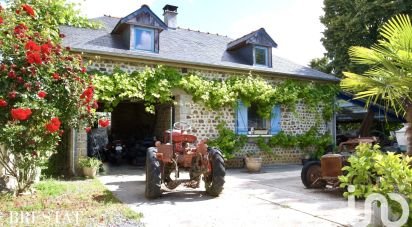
[(311, 174)]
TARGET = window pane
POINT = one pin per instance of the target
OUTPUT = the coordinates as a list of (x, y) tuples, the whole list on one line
[(260, 56), (254, 120), (144, 39)]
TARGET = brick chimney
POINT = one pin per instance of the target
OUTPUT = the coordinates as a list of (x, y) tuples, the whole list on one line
[(170, 16)]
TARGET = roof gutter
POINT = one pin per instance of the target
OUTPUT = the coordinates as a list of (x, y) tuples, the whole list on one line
[(166, 60)]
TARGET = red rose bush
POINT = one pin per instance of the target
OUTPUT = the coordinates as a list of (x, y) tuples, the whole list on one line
[(44, 88)]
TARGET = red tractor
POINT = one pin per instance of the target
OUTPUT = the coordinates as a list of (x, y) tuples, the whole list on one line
[(323, 173), (165, 161)]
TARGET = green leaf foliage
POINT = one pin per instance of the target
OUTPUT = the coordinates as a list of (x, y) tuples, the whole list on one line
[(355, 23), (372, 171), (228, 141), (40, 79), (389, 78), (154, 85)]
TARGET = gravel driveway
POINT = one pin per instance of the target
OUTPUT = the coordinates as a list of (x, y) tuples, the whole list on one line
[(274, 197)]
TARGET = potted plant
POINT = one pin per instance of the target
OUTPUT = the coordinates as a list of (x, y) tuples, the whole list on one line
[(253, 162), (89, 166)]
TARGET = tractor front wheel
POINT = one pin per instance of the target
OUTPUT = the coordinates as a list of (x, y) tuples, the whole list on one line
[(153, 179), (215, 179), (311, 175)]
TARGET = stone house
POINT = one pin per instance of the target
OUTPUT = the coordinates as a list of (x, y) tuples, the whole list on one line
[(142, 39)]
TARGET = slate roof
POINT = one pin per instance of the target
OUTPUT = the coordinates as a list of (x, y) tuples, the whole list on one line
[(180, 46), (253, 38)]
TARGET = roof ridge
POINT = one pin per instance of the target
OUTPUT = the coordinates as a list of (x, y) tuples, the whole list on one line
[(105, 15), (208, 33)]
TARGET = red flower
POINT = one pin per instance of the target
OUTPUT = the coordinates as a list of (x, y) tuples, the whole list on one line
[(28, 9), (84, 69), (87, 94), (12, 94), (20, 80), (42, 94), (3, 67), (3, 103), (1, 20), (19, 29), (20, 114), (46, 48), (56, 76), (31, 45), (11, 74), (27, 86), (88, 129), (104, 123), (33, 58), (53, 125)]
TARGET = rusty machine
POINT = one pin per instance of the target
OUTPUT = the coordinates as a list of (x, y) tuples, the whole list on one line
[(324, 173), (179, 151)]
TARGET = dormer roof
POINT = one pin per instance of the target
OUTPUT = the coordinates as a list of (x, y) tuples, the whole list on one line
[(258, 37), (141, 17)]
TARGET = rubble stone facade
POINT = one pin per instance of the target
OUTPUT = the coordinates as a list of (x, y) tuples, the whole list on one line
[(204, 120)]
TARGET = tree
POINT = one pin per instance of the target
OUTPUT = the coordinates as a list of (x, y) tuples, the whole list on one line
[(321, 64), (389, 77), (43, 87), (355, 23)]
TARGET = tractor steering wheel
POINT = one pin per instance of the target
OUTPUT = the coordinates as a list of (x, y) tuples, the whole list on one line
[(183, 126)]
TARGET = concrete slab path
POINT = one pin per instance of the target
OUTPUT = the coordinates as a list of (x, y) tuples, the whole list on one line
[(274, 197)]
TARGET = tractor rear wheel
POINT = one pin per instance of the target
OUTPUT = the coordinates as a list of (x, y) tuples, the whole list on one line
[(311, 174), (153, 178), (215, 180)]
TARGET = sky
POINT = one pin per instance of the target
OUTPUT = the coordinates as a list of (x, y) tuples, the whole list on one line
[(293, 24)]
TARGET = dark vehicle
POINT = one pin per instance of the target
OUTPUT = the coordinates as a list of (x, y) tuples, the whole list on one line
[(136, 150), (116, 151), (165, 161)]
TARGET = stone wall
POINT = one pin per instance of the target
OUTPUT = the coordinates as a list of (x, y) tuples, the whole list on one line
[(204, 120)]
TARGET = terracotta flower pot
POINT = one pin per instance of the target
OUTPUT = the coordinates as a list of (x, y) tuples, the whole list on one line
[(253, 164), (89, 172)]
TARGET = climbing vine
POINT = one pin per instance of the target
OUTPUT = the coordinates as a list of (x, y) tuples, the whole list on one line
[(230, 143), (154, 85)]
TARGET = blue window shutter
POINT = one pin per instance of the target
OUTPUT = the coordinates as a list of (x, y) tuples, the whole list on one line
[(275, 120), (241, 121)]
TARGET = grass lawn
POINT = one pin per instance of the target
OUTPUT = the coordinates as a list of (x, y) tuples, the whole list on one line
[(66, 203)]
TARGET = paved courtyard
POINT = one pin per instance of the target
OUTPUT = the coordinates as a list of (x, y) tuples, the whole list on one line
[(274, 197)]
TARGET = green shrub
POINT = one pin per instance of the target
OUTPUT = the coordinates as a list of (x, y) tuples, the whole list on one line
[(227, 141), (89, 162), (372, 171)]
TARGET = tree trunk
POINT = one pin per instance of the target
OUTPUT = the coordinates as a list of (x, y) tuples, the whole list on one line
[(409, 130), (365, 129)]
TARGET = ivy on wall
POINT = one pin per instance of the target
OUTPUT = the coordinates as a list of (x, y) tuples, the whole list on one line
[(154, 86), (230, 143)]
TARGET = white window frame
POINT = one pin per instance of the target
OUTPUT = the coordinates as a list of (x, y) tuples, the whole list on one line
[(151, 42)]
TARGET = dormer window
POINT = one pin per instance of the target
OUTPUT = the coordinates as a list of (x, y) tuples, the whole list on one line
[(254, 48), (261, 56), (140, 30), (144, 39)]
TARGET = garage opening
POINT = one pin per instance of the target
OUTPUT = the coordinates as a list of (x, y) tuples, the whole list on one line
[(131, 132)]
